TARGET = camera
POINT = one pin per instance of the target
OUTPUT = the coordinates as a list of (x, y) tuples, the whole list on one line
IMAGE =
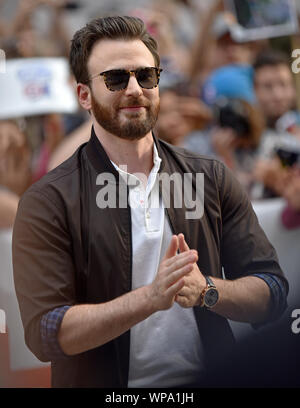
[(288, 156), (232, 113)]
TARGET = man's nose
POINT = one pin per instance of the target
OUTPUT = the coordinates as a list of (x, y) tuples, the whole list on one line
[(133, 87), (278, 92)]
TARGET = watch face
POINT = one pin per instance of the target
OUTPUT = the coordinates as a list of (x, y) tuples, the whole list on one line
[(211, 297)]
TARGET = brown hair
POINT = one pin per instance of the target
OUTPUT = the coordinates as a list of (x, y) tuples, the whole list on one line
[(270, 57), (128, 28)]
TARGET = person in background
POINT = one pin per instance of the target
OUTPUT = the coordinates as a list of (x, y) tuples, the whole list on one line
[(3, 24), (180, 115), (216, 40), (226, 71), (162, 21), (274, 86), (276, 97), (69, 145), (234, 133), (15, 170), (8, 208), (291, 214), (23, 39), (53, 133)]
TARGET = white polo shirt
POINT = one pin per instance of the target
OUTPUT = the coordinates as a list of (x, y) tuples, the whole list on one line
[(165, 348)]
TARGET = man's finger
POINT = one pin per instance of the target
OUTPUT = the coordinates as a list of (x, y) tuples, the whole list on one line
[(176, 287), (178, 274), (183, 246), (187, 256), (173, 248)]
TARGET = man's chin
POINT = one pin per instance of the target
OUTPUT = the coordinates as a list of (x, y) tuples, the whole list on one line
[(133, 110), (133, 133), (128, 130), (126, 116)]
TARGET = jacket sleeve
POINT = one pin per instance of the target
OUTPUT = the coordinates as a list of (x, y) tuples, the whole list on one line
[(42, 262), (245, 249)]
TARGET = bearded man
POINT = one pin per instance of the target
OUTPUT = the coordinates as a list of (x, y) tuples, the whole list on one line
[(114, 290)]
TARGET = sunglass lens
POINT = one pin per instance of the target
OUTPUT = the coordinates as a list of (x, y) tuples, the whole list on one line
[(117, 79), (147, 77)]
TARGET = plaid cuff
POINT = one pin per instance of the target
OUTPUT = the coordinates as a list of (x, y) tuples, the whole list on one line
[(50, 324), (278, 291)]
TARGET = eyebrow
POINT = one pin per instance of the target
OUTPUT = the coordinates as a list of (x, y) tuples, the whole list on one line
[(130, 69)]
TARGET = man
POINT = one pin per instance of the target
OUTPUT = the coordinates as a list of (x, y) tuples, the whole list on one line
[(15, 174), (276, 96), (112, 294), (274, 85)]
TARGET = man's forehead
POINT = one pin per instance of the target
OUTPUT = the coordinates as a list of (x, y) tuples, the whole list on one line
[(108, 54), (273, 70)]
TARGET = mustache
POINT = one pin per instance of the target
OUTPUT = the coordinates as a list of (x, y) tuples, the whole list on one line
[(134, 102)]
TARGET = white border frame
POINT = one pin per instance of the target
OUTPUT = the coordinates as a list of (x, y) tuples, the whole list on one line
[(278, 30)]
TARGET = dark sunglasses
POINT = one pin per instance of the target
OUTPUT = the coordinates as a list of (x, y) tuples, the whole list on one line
[(117, 79)]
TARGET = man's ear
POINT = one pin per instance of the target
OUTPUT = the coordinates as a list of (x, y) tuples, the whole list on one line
[(84, 96)]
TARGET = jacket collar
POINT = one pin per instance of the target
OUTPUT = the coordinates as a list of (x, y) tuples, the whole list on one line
[(98, 157), (101, 162)]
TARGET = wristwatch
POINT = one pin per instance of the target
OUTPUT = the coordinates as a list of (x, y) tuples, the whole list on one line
[(209, 295)]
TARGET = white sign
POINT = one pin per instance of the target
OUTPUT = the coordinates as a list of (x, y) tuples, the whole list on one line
[(259, 19), (34, 86)]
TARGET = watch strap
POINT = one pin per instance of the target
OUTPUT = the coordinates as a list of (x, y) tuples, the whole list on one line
[(209, 282)]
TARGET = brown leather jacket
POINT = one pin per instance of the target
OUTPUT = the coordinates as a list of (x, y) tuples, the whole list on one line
[(66, 250)]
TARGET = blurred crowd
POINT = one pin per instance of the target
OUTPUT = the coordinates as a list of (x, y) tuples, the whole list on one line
[(222, 97)]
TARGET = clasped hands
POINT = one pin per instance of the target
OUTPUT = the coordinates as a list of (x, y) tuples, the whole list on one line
[(178, 278)]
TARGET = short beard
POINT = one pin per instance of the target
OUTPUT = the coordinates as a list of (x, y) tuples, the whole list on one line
[(133, 129)]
